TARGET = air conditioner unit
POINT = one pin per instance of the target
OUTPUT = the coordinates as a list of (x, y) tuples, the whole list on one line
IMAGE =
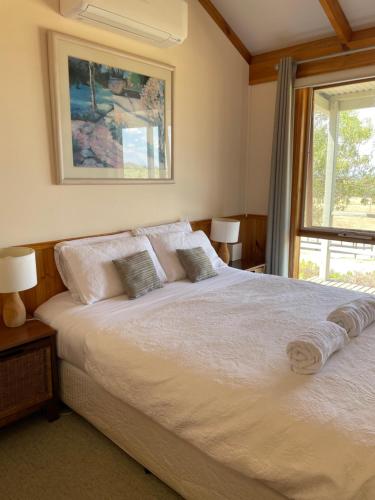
[(160, 22)]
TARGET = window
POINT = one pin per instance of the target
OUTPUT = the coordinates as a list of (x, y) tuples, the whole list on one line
[(333, 232), (340, 180)]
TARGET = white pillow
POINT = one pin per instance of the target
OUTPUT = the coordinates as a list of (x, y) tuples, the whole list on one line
[(182, 226), (165, 246), (59, 257), (91, 268)]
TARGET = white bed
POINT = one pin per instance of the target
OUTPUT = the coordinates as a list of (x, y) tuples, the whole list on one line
[(193, 381)]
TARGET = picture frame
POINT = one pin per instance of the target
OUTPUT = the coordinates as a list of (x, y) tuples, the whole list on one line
[(112, 114)]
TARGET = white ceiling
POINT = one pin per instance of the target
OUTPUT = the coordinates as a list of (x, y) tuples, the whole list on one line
[(360, 13), (265, 25)]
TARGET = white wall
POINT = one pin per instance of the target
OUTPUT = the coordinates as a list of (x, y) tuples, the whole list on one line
[(211, 93), (262, 99)]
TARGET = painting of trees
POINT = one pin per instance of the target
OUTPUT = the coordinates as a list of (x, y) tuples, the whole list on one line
[(92, 86), (118, 119), (153, 99)]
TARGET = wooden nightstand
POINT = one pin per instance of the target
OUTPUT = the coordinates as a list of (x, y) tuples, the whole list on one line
[(28, 371), (247, 265)]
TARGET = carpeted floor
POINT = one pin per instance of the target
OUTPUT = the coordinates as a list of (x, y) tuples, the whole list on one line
[(69, 459)]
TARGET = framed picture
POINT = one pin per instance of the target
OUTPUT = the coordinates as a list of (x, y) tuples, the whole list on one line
[(112, 114)]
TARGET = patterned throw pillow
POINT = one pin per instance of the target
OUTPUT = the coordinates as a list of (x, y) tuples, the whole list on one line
[(138, 274), (197, 265)]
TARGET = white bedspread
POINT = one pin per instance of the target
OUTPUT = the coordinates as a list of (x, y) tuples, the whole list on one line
[(212, 368)]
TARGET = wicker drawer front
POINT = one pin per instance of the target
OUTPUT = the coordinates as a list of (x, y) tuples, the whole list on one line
[(25, 380)]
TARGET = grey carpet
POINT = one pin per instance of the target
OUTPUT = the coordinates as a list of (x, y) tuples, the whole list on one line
[(70, 459)]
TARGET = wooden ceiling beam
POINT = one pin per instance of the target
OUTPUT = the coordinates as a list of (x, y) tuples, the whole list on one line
[(226, 29), (301, 51), (362, 39), (347, 61), (262, 73), (263, 66), (338, 20)]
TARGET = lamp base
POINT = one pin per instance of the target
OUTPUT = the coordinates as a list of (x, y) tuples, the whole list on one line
[(223, 252), (14, 312)]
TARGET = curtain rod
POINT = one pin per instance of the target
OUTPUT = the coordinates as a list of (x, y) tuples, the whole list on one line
[(330, 56), (337, 54)]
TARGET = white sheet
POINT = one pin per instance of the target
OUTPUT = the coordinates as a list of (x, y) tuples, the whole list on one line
[(212, 368), (75, 321)]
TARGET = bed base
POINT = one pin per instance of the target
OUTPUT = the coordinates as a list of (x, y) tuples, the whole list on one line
[(176, 462)]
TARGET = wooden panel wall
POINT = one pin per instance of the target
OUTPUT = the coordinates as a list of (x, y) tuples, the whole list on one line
[(252, 235), (253, 231)]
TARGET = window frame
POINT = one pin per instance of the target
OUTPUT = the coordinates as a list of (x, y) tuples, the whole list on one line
[(333, 233), (302, 157)]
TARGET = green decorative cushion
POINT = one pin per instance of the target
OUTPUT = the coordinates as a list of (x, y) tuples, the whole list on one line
[(196, 263), (138, 274)]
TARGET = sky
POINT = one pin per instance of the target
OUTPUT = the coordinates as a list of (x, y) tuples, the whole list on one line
[(134, 145)]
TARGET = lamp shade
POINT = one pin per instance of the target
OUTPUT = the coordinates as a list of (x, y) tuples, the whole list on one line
[(225, 230), (17, 269)]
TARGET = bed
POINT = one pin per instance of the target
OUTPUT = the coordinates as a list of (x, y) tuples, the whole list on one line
[(192, 380)]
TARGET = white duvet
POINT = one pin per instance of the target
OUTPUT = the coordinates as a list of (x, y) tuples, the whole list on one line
[(211, 367)]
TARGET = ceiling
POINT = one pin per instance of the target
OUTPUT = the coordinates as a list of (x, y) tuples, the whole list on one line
[(265, 25)]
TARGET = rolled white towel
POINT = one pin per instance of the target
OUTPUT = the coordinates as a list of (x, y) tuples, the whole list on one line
[(310, 351), (354, 316)]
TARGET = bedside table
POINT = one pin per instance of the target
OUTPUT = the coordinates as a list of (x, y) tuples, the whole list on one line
[(28, 371), (247, 265)]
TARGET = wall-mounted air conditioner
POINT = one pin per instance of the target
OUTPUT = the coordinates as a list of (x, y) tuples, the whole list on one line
[(160, 22)]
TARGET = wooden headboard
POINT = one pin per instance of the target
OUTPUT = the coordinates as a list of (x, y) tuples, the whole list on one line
[(252, 235), (49, 281)]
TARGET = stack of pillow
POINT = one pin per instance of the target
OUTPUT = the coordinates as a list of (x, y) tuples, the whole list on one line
[(136, 262)]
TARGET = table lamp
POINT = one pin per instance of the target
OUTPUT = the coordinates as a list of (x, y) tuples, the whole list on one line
[(17, 273), (224, 231)]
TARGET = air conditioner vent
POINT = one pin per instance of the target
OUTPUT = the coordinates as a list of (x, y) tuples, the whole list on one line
[(161, 22)]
